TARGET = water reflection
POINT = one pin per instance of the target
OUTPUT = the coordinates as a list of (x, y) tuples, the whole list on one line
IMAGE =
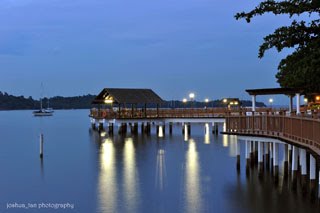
[(192, 172), (233, 145), (225, 140), (206, 134), (107, 177), (130, 175), (161, 172)]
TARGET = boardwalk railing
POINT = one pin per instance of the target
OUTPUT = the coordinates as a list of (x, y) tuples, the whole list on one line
[(160, 113), (302, 129), (165, 113)]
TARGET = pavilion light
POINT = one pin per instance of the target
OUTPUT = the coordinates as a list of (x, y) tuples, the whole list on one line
[(225, 100), (108, 101)]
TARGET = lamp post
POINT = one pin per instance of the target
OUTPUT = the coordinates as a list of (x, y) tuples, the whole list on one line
[(191, 96), (206, 101), (270, 102), (184, 101)]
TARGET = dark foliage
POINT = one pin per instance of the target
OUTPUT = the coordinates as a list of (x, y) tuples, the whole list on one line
[(301, 68)]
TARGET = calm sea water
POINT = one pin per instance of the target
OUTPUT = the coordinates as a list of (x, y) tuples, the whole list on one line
[(92, 173)]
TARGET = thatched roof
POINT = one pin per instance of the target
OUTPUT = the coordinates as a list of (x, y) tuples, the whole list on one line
[(127, 96)]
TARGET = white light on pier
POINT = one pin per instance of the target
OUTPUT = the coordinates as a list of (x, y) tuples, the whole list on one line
[(184, 100), (206, 100), (192, 96)]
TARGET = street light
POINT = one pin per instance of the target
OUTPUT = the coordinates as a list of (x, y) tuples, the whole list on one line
[(206, 100), (191, 96), (225, 100), (270, 101), (184, 100)]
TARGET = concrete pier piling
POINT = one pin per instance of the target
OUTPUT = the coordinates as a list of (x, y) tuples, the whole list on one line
[(266, 155), (313, 182), (170, 128), (295, 151), (286, 161), (276, 162), (142, 128), (93, 124), (303, 163), (252, 154), (122, 128), (238, 156), (248, 153), (100, 127), (271, 156), (134, 128), (110, 128), (41, 145), (260, 159)]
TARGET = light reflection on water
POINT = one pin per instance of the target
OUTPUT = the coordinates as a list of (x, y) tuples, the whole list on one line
[(99, 173), (108, 186), (192, 179)]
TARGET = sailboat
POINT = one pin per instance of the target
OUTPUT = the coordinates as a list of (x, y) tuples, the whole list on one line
[(43, 112)]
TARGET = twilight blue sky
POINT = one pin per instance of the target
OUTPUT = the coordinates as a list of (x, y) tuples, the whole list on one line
[(77, 47)]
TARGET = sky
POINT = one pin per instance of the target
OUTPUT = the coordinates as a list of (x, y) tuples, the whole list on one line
[(174, 47)]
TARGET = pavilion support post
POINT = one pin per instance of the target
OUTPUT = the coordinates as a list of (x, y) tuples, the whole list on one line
[(291, 104), (298, 103), (148, 128), (132, 110), (145, 110), (189, 128), (253, 103), (157, 110), (256, 152)]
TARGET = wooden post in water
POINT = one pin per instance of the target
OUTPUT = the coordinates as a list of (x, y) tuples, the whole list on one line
[(41, 145), (170, 128)]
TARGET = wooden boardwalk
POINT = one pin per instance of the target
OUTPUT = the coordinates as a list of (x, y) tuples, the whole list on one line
[(303, 130)]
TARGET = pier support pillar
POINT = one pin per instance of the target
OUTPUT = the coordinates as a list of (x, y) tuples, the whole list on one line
[(294, 164), (122, 128), (134, 128), (93, 124), (100, 127), (110, 128), (303, 163), (160, 130), (252, 154), (206, 129), (266, 155), (271, 156), (41, 145), (276, 161), (170, 128), (215, 128), (148, 128), (313, 182), (248, 153), (260, 159), (238, 156), (142, 128), (256, 153), (286, 161)]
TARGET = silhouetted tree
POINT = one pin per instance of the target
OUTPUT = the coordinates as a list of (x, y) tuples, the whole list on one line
[(301, 68)]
